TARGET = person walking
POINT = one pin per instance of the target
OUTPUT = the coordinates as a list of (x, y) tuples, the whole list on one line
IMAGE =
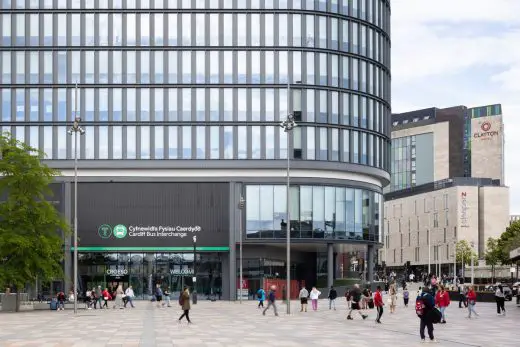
[(118, 300), (260, 295), (393, 297), (378, 302), (99, 297), (348, 297), (158, 295), (424, 306), (315, 294), (106, 297), (501, 300), (442, 300), (184, 302), (129, 292), (356, 303), (462, 296), (406, 296), (333, 294), (304, 295), (61, 300), (472, 300), (271, 301), (166, 293)]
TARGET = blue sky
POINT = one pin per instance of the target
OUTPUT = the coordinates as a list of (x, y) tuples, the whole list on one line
[(463, 52)]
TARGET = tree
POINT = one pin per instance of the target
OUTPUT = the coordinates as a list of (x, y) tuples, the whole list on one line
[(509, 240), (493, 254), (465, 253), (30, 242)]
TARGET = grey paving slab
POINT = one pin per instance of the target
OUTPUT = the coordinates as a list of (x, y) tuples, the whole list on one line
[(219, 324)]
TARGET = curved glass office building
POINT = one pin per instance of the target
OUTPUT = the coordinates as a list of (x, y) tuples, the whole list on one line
[(181, 103)]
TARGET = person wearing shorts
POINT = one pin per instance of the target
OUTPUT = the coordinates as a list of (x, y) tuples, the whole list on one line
[(304, 294), (356, 302)]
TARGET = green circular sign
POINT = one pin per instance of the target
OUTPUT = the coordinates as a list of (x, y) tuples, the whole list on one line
[(120, 231), (105, 231)]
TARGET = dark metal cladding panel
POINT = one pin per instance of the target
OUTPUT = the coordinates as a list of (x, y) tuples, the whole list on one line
[(153, 214)]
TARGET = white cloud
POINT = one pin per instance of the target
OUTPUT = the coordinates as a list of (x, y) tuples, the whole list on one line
[(470, 44)]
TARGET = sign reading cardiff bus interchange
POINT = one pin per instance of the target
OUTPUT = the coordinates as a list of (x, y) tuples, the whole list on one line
[(110, 215)]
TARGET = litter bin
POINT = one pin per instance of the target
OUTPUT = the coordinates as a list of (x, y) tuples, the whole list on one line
[(194, 298)]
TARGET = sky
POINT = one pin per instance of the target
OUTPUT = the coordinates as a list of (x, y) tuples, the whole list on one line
[(463, 52)]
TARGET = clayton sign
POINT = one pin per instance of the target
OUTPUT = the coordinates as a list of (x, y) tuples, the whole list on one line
[(486, 132)]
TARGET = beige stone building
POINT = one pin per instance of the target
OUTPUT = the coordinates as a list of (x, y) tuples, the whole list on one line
[(422, 225)]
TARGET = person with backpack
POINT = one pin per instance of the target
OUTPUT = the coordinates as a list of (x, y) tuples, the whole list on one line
[(61, 301), (442, 300), (406, 296), (333, 294), (271, 301), (184, 302), (356, 303), (304, 295), (260, 295), (378, 302), (424, 306)]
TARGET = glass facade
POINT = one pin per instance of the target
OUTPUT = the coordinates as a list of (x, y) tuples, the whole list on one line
[(144, 270), (317, 212), (199, 79), (403, 163)]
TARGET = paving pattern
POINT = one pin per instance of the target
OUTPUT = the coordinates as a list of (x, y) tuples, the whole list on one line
[(234, 324)]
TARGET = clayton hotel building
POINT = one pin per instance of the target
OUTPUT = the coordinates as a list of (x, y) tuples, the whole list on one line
[(181, 104)]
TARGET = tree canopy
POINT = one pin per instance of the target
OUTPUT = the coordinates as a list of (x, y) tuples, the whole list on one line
[(30, 242), (509, 240), (465, 253)]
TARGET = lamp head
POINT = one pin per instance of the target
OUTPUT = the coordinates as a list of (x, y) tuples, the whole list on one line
[(194, 238), (82, 131)]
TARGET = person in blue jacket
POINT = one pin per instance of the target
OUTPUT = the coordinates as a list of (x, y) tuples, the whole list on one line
[(260, 295)]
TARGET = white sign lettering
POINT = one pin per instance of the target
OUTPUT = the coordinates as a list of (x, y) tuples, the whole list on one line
[(162, 231), (182, 272), (117, 272)]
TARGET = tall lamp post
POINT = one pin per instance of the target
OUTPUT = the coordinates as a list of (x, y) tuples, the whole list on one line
[(455, 262), (472, 265), (74, 130), (429, 253), (241, 204), (194, 294), (288, 125)]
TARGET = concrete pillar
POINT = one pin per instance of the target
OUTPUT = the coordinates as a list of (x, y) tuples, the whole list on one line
[(370, 263), (330, 264), (67, 261)]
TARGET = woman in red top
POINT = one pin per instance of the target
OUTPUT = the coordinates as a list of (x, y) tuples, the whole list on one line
[(378, 303), (442, 300), (106, 296), (472, 300)]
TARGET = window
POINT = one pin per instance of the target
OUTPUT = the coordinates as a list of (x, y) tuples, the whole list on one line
[(172, 29), (201, 142), (200, 39), (186, 29), (158, 28), (214, 139)]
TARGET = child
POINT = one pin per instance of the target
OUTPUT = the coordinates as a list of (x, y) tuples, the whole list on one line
[(406, 296), (419, 292)]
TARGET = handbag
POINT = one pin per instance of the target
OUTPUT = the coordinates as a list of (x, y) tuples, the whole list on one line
[(105, 298), (436, 315)]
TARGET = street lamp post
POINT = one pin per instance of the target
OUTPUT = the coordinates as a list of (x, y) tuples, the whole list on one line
[(429, 253), (241, 204), (472, 265), (288, 125), (194, 294), (455, 262), (74, 130)]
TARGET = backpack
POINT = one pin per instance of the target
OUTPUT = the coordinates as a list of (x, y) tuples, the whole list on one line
[(259, 294), (420, 307)]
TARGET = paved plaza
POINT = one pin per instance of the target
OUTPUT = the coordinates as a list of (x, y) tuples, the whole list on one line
[(235, 324)]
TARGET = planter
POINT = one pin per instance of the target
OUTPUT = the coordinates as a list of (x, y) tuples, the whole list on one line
[(481, 296)]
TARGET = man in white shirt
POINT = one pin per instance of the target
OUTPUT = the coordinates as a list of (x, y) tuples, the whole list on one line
[(129, 295)]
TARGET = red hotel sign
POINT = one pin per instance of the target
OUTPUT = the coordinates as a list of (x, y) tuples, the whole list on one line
[(486, 132)]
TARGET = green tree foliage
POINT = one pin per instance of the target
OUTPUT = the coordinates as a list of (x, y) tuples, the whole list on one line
[(509, 240), (465, 253), (493, 254), (30, 242)]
